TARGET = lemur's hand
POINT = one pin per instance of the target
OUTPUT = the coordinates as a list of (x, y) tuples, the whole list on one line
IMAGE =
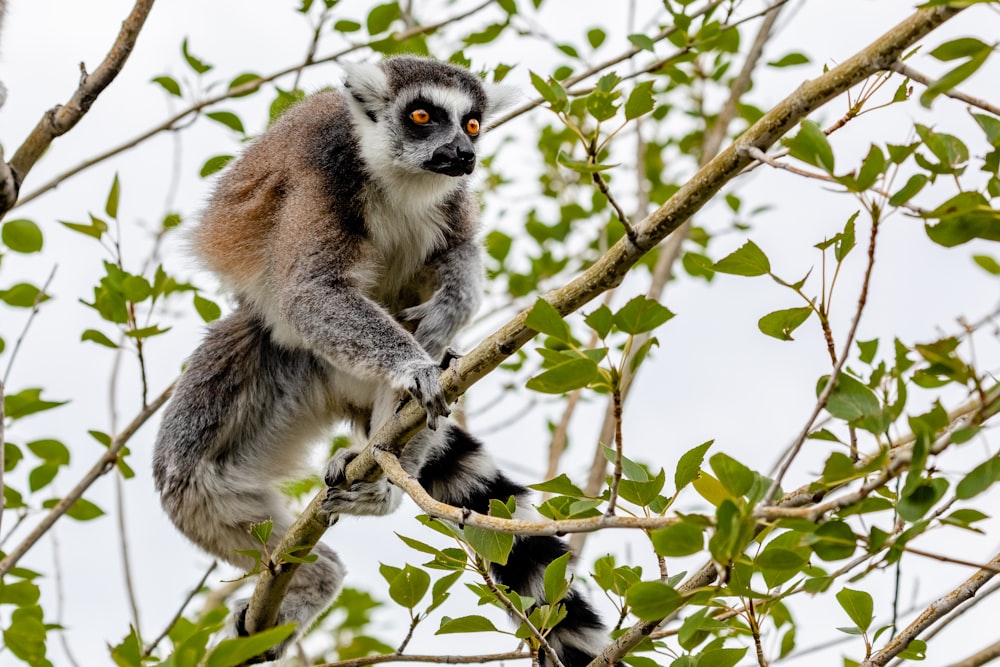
[(425, 387)]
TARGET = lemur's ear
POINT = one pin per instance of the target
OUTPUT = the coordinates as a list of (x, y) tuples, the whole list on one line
[(367, 88), (500, 97)]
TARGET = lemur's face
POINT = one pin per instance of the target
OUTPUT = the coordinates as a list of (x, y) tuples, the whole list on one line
[(437, 131), (415, 115)]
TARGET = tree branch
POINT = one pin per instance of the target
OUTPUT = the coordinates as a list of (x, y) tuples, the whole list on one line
[(912, 74), (606, 273), (104, 465), (62, 119), (248, 87), (936, 610)]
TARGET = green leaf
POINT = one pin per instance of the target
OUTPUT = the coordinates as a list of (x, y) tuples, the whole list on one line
[(169, 84), (569, 375), (129, 652), (976, 53), (27, 402), (748, 260), (19, 594), (990, 126), (237, 650), (859, 607), (22, 295), (555, 583), (227, 118), (345, 25), (966, 216), (25, 636), (81, 510), (194, 63), (790, 60), (653, 600), (642, 493), (721, 657), (679, 539), (551, 91), (409, 587), (245, 79), (491, 545), (561, 485), (640, 101), (49, 450), (641, 314), (987, 263), (261, 532), (600, 321), (851, 400), (641, 41), (689, 465), (22, 236), (465, 624), (214, 164), (980, 478), (381, 17), (912, 187), (781, 323), (834, 540), (921, 499), (111, 206), (595, 37), (545, 319), (735, 477), (208, 310), (96, 336), (811, 146)]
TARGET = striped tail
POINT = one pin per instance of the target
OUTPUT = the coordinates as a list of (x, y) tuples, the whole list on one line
[(458, 471)]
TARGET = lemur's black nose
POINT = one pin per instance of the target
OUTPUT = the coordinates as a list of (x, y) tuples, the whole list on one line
[(455, 158)]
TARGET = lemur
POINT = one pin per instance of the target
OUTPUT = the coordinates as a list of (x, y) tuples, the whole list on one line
[(347, 234)]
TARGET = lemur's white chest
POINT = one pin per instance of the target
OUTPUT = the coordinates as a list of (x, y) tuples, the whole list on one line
[(404, 229)]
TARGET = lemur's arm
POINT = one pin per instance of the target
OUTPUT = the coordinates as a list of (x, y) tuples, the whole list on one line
[(322, 303), (454, 302)]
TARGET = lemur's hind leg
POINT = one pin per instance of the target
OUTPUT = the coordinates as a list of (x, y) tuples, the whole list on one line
[(241, 420)]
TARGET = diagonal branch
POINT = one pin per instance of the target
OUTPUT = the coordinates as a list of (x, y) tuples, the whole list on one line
[(61, 119), (103, 466), (606, 273), (936, 610)]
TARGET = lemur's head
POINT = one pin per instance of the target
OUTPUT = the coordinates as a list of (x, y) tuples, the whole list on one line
[(415, 115)]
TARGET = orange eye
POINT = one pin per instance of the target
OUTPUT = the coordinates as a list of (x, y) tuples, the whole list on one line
[(472, 126), (420, 117)]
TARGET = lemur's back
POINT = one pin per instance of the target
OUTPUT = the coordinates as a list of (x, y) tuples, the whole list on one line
[(309, 153)]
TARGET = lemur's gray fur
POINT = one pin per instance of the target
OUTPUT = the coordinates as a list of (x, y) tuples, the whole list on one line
[(347, 235)]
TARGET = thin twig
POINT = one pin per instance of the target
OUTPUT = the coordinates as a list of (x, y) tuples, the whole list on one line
[(935, 611), (616, 475), (104, 465), (389, 463), (902, 68), (790, 454), (41, 296), (180, 611), (243, 89), (436, 659), (62, 119), (522, 617), (57, 571)]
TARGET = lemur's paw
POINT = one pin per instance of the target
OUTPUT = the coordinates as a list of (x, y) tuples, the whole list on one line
[(240, 628), (425, 387), (363, 498), (336, 467)]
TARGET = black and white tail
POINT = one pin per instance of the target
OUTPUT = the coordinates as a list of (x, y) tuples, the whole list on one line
[(458, 471)]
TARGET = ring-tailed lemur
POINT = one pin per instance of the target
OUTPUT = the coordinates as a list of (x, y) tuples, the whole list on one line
[(347, 234)]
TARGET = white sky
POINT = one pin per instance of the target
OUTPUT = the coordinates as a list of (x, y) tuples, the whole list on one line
[(714, 375)]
